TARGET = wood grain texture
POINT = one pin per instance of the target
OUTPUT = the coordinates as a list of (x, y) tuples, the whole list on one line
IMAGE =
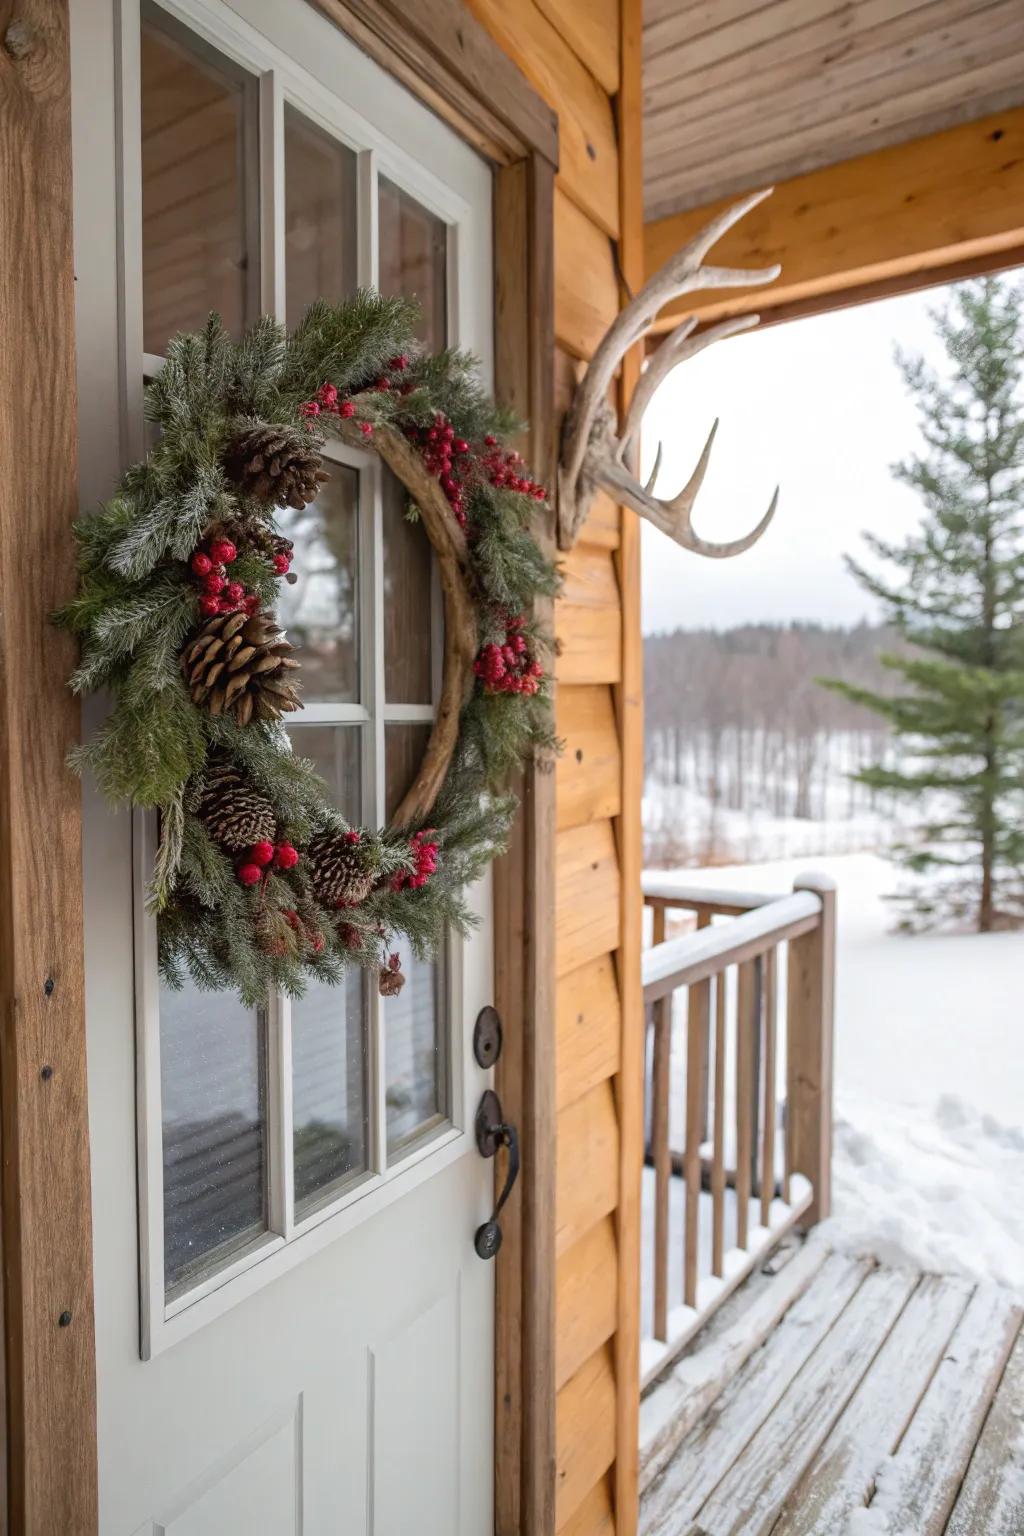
[(524, 907), (586, 1298), (586, 288), (588, 895), (809, 1051), (892, 217), (47, 1231), (787, 88), (920, 1484), (452, 64), (588, 773), (842, 1476), (992, 1496), (591, 28), (588, 154), (595, 1516), (587, 1026), (697, 1018), (588, 618), (629, 701), (588, 1165), (586, 1432)]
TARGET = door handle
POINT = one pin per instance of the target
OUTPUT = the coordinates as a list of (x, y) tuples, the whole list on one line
[(492, 1132)]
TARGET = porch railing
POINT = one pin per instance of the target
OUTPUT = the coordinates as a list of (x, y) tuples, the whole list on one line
[(739, 1092)]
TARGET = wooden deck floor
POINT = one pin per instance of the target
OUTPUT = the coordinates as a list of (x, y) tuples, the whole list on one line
[(836, 1397)]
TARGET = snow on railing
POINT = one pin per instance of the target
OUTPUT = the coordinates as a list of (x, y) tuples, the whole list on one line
[(750, 1095)]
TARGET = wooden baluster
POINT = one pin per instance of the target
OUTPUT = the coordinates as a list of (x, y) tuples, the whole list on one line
[(660, 1079), (698, 1012), (809, 1024), (718, 1156), (746, 1088), (768, 1139)]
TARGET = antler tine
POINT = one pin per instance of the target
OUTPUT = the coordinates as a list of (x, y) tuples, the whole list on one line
[(682, 273), (674, 516), (675, 349)]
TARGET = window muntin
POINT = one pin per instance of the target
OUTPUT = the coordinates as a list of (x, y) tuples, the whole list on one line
[(368, 1088)]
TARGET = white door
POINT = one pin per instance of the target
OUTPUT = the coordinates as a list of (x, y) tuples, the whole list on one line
[(294, 1333)]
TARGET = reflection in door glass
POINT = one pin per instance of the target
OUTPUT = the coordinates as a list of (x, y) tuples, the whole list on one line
[(320, 611), (414, 260), (213, 1089), (416, 1092), (199, 159), (408, 581), (320, 216), (330, 1095)]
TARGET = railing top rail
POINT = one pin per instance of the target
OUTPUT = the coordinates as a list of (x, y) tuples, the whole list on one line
[(674, 892), (696, 956)]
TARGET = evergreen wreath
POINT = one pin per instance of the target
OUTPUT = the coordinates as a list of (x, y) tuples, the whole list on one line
[(258, 880)]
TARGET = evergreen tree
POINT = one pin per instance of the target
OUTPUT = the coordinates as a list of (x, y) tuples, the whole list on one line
[(957, 599)]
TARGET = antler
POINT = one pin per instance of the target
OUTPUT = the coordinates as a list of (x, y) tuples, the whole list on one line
[(595, 454)]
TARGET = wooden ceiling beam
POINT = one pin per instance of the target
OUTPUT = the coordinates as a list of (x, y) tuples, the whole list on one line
[(899, 218)]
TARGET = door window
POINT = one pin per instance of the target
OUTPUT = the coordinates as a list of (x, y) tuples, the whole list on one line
[(256, 195)]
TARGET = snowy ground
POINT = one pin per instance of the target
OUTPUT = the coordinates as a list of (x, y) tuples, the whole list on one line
[(929, 1154)]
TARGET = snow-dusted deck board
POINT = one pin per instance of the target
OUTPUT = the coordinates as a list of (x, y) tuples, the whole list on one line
[(713, 1446), (842, 1475), (672, 1408), (748, 1500), (916, 1488), (991, 1501)]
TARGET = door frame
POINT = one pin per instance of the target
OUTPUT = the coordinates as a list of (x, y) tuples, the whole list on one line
[(446, 59)]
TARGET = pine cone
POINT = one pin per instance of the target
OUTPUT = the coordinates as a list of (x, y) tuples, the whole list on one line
[(249, 534), (391, 982), (233, 812), (336, 870), (239, 664), (278, 466)]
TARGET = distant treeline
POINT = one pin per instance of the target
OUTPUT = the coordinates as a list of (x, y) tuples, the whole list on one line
[(738, 716)]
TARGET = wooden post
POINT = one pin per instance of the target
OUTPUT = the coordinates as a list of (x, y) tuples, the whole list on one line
[(809, 1028)]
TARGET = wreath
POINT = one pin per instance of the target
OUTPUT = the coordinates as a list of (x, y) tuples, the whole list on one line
[(258, 880)]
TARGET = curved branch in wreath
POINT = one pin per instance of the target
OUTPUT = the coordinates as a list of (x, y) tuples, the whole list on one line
[(460, 630)]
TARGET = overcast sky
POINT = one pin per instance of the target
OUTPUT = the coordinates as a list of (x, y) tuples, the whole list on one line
[(817, 406)]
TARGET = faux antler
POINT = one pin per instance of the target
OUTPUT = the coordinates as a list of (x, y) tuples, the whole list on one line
[(596, 454)]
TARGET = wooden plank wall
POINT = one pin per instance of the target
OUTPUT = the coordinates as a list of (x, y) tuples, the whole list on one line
[(573, 53)]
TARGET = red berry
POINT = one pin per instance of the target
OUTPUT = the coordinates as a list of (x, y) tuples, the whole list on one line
[(261, 853), (328, 396), (366, 428), (490, 440), (346, 409), (251, 603), (223, 551), (282, 564), (250, 874), (286, 857), (460, 445), (213, 583), (352, 837), (225, 605), (209, 606), (201, 564), (235, 591), (399, 364), (309, 408)]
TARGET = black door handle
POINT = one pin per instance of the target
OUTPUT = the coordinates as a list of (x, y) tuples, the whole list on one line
[(493, 1132)]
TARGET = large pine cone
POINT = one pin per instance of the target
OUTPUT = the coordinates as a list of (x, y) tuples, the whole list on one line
[(249, 534), (233, 812), (239, 664), (278, 466), (336, 870)]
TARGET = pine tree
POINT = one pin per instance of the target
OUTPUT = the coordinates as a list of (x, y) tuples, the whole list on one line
[(957, 600)]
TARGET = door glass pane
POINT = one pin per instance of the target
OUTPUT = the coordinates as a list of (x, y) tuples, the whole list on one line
[(404, 746), (321, 610), (320, 216), (408, 570), (414, 259), (213, 1085), (199, 174), (416, 1093), (330, 1097)]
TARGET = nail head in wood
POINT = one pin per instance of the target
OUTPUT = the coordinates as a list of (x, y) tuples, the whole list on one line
[(46, 1074), (48, 986), (64, 1321)]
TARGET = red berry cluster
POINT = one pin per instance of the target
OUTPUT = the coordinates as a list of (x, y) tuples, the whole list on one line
[(439, 448), (311, 934), (424, 852), (505, 471), (257, 861), (509, 667), (327, 400), (219, 594)]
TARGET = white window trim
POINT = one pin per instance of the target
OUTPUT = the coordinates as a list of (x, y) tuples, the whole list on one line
[(257, 41)]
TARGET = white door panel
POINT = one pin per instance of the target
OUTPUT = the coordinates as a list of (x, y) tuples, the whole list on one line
[(338, 1376)]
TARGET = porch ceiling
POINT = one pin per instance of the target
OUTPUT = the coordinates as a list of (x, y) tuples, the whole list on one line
[(742, 93)]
